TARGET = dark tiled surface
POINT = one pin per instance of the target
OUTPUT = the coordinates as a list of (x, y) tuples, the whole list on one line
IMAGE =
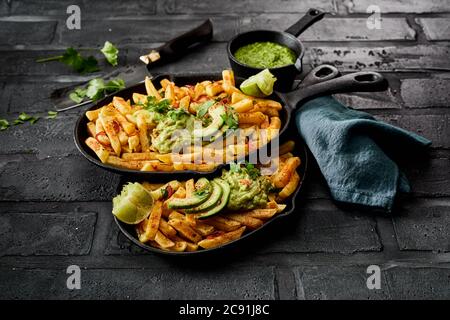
[(55, 206)]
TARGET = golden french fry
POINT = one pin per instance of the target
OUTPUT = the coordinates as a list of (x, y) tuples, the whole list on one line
[(139, 98), (251, 117), (166, 228), (133, 144), (189, 245), (91, 129), (203, 167), (184, 103), (111, 128), (165, 82), (100, 133), (290, 187), (99, 150), (269, 103), (92, 115), (237, 96), (267, 110), (222, 223), (151, 90), (285, 156), (263, 214), (286, 147), (275, 123), (200, 227), (228, 77), (169, 93), (165, 158), (119, 162), (221, 239), (213, 89), (139, 156), (250, 222), (174, 215), (143, 132), (179, 246), (127, 126), (123, 138), (185, 230), (243, 105), (160, 192), (199, 90), (281, 178), (163, 241), (157, 166), (121, 105), (153, 221), (152, 186)]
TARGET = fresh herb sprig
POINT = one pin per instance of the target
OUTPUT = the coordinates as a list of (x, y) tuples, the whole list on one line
[(110, 52), (96, 89), (75, 60)]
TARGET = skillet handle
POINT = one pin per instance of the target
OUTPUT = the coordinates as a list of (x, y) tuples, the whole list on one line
[(364, 81), (311, 17), (319, 74)]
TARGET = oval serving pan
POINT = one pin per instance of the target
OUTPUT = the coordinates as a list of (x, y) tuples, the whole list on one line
[(322, 80), (130, 233)]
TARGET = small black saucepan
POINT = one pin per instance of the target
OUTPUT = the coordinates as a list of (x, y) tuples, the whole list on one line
[(285, 75)]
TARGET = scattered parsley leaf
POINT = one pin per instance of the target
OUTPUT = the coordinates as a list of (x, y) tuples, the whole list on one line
[(152, 104), (252, 171), (231, 121), (235, 167), (17, 121), (4, 124), (73, 58), (24, 117), (33, 120), (110, 52), (96, 89), (52, 115), (204, 107), (78, 95)]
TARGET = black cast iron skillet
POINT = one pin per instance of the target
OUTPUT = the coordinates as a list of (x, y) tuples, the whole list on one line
[(320, 81), (285, 75), (130, 233)]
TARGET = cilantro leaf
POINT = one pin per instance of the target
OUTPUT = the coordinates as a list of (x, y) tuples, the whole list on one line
[(24, 117), (115, 85), (110, 52), (4, 124), (73, 58), (78, 95), (95, 89), (52, 115), (33, 120), (204, 107), (252, 171), (152, 104), (230, 120)]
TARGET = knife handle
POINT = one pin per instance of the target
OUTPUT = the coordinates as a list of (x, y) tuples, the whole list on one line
[(180, 45)]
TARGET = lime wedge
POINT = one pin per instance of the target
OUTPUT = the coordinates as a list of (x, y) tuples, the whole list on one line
[(260, 85), (133, 204)]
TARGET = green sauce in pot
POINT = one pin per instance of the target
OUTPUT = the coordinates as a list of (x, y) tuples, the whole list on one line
[(265, 55)]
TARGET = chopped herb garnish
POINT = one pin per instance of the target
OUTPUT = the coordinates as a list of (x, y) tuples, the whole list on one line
[(110, 52), (253, 172), (52, 115), (231, 121), (152, 104), (73, 58), (96, 89), (4, 124), (204, 107)]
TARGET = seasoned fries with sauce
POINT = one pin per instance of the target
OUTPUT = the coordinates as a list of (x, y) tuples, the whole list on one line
[(136, 134)]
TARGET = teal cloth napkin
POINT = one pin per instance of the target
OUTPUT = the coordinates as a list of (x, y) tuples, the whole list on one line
[(351, 148)]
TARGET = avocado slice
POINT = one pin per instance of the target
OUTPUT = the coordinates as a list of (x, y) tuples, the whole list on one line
[(212, 200), (217, 115), (202, 194), (222, 202)]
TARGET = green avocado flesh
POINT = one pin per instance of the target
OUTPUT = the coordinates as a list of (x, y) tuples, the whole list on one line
[(201, 195), (265, 55), (212, 200), (221, 203)]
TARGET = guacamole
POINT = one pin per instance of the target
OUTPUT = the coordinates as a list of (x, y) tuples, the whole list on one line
[(265, 55), (163, 138), (249, 190)]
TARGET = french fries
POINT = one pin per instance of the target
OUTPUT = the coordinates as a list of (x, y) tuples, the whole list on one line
[(125, 128), (182, 230)]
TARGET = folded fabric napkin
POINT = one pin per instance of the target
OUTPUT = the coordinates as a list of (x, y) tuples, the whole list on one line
[(351, 148)]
